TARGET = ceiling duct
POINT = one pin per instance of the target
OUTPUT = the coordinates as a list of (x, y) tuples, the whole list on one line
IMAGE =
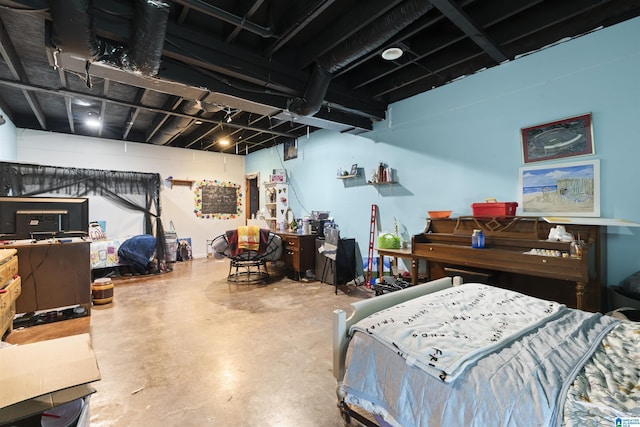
[(176, 124), (72, 28), (72, 32), (147, 38), (365, 41)]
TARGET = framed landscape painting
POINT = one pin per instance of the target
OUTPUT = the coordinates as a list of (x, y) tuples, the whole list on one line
[(561, 189), (568, 137)]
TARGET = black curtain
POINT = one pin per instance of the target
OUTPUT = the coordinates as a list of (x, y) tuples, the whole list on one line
[(19, 179)]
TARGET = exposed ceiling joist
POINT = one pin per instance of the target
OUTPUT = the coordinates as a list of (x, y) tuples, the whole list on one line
[(277, 70)]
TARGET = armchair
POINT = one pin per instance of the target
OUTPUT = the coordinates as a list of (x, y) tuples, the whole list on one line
[(248, 248)]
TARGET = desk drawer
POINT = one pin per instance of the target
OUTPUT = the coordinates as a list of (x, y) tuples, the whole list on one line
[(6, 319), (292, 257), (13, 289), (10, 293), (292, 243), (8, 270)]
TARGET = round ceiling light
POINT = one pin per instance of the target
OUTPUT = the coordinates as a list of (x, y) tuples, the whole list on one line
[(392, 53)]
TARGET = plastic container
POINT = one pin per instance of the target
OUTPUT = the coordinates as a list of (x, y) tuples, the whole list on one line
[(65, 415), (493, 208), (477, 239), (170, 246), (439, 214)]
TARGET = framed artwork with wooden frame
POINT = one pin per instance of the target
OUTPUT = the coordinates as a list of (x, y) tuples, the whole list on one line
[(290, 149), (561, 189), (568, 137)]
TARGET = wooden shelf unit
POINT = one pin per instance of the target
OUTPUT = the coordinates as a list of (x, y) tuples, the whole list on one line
[(276, 196)]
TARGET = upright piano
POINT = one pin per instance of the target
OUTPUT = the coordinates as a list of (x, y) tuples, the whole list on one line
[(517, 255)]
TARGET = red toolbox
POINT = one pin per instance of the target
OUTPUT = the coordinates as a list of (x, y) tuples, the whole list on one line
[(493, 208)]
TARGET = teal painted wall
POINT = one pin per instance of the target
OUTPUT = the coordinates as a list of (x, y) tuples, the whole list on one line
[(460, 143)]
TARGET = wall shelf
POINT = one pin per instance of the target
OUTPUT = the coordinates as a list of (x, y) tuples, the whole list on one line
[(185, 182), (347, 176), (382, 183)]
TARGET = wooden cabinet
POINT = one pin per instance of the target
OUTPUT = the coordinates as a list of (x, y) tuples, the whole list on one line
[(10, 288), (298, 253), (54, 275)]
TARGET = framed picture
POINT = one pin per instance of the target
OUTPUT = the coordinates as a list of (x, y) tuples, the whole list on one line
[(290, 149), (561, 189), (568, 137), (354, 169)]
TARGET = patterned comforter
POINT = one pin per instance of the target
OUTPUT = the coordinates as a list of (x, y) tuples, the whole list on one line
[(521, 382), (608, 386)]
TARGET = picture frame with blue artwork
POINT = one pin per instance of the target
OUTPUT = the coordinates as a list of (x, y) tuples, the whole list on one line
[(570, 189)]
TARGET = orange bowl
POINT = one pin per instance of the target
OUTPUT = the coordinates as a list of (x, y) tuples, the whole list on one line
[(439, 214)]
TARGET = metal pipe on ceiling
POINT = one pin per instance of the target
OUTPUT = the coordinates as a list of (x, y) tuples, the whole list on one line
[(73, 32), (72, 28), (76, 94), (147, 39), (225, 16), (363, 42), (176, 124)]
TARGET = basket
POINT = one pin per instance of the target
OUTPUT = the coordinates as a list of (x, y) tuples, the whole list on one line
[(388, 241)]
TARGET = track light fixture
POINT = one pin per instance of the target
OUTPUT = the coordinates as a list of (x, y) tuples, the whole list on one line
[(227, 117)]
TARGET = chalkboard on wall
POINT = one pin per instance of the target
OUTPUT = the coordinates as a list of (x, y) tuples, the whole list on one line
[(217, 199)]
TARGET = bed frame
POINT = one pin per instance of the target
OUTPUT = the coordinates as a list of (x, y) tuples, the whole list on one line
[(362, 309)]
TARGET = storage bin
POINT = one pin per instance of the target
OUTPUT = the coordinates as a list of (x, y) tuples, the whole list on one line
[(493, 208), (170, 246)]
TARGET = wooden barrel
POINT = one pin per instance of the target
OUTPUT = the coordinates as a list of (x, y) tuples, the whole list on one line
[(102, 291)]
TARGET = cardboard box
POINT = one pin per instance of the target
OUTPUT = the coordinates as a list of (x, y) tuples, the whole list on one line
[(40, 376), (494, 208)]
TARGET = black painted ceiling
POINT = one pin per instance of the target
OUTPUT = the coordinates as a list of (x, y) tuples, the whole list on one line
[(187, 73)]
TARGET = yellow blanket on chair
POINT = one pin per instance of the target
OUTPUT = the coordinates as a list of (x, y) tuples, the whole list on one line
[(249, 237)]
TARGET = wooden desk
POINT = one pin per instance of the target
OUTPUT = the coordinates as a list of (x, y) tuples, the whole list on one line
[(298, 253), (399, 253)]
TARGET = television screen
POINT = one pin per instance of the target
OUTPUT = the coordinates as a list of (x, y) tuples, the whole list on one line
[(43, 217)]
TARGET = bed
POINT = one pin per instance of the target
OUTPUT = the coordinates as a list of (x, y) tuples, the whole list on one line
[(476, 355)]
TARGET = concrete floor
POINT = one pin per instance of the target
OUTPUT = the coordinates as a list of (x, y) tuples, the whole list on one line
[(186, 348)]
